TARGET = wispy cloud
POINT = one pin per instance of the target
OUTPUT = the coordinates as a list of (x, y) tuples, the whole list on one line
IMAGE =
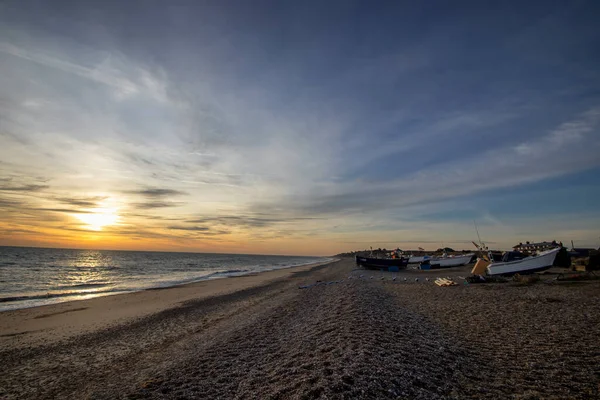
[(155, 204), (24, 188), (9, 202), (497, 168), (105, 72), (158, 192), (88, 202), (64, 210), (566, 136), (250, 221), (200, 230), (191, 228)]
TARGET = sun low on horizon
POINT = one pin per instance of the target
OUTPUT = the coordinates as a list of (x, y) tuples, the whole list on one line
[(98, 218), (312, 129)]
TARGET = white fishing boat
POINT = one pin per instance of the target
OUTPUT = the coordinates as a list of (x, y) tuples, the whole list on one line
[(450, 261), (540, 262)]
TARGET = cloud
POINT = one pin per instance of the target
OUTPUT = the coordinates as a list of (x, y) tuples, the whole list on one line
[(11, 203), (89, 202), (191, 228), (201, 230), (568, 135), (64, 210), (249, 221), (383, 203), (112, 71), (157, 198), (158, 192), (197, 232), (155, 204), (12, 231), (24, 188)]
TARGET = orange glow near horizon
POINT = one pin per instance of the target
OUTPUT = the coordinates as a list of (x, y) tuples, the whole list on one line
[(100, 240), (115, 221)]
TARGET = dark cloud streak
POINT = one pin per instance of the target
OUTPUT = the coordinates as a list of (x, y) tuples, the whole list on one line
[(156, 198), (249, 221), (82, 202), (191, 228), (63, 210), (24, 188), (200, 230), (155, 204)]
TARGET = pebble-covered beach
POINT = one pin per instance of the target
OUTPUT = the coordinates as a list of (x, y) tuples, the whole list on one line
[(355, 334)]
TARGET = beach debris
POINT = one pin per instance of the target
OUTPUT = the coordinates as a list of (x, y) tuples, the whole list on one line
[(416, 279), (394, 278), (404, 279), (383, 278), (427, 279), (444, 282)]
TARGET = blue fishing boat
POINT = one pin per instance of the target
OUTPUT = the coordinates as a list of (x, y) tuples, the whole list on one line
[(382, 264)]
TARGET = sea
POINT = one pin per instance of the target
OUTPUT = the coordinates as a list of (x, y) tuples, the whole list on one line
[(31, 277)]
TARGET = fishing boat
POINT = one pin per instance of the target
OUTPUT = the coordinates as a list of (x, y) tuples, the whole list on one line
[(540, 262), (382, 264), (449, 261), (417, 259)]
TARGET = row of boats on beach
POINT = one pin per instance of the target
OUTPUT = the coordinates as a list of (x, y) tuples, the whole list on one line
[(511, 263), (426, 262)]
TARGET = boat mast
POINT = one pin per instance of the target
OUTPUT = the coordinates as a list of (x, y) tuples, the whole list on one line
[(481, 244), (478, 237)]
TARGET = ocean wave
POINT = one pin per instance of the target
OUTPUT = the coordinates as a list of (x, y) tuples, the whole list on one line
[(82, 286), (37, 279), (7, 263), (49, 295), (230, 271)]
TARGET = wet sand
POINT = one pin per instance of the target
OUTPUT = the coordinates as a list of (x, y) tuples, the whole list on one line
[(358, 338)]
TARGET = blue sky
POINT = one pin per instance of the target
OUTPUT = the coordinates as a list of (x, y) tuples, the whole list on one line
[(299, 127)]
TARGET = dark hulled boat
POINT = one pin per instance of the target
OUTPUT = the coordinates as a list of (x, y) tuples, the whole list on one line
[(382, 264)]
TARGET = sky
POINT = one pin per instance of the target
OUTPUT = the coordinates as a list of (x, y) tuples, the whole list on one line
[(280, 127)]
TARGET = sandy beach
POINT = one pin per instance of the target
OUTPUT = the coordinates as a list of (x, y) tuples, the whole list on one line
[(362, 335)]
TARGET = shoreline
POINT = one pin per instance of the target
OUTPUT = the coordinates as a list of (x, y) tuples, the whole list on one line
[(59, 298), (61, 320)]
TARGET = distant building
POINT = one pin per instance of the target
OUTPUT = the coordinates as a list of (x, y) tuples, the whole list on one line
[(541, 246)]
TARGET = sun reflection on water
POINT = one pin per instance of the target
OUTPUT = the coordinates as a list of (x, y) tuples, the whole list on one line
[(90, 271)]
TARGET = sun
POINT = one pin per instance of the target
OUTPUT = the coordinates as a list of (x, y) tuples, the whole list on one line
[(98, 218)]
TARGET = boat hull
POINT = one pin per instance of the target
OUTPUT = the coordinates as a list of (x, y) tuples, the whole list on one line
[(528, 265), (450, 261), (382, 264), (417, 259)]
